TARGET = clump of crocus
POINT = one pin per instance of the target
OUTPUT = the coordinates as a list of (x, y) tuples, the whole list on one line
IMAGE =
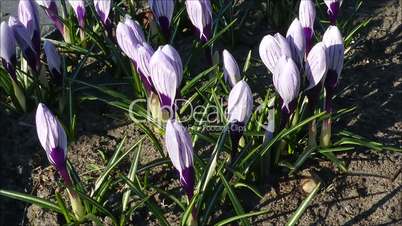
[(307, 15), (286, 79), (240, 106), (163, 11), (23, 39), (102, 8), (167, 73), (50, 8), (333, 41), (297, 42), (180, 149), (200, 14), (8, 49), (54, 141), (316, 70), (231, 70), (53, 61), (333, 9), (272, 48)]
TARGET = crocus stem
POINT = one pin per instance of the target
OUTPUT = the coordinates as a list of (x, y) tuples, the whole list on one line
[(312, 134), (236, 132), (76, 204), (325, 138)]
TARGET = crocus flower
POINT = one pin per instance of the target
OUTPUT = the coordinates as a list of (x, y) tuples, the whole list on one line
[(79, 10), (102, 8), (163, 11), (231, 70), (286, 81), (28, 16), (53, 61), (180, 149), (144, 54), (51, 10), (272, 48), (200, 14), (23, 39), (307, 17), (297, 42), (53, 140), (166, 73), (333, 9), (240, 106), (8, 49)]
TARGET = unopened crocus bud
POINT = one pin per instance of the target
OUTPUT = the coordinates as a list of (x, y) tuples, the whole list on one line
[(102, 8), (51, 10), (180, 149), (23, 39), (163, 11), (297, 42), (126, 40), (135, 28), (166, 72), (286, 80), (53, 61), (333, 9), (53, 140), (240, 103), (316, 69), (240, 106), (272, 48), (28, 16), (8, 49), (144, 54), (335, 52), (307, 15), (231, 70), (79, 10), (200, 14)]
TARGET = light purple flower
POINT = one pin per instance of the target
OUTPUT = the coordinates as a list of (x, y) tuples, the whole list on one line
[(53, 61), (79, 10), (307, 15), (166, 73), (144, 54), (23, 39), (231, 70), (28, 16), (8, 49), (240, 103), (53, 139), (135, 29), (127, 40), (286, 80), (102, 8), (333, 9), (316, 65), (200, 14), (163, 11), (272, 48), (297, 42), (335, 55), (180, 149), (51, 10)]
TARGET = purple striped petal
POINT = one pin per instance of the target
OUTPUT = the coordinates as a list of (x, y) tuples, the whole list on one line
[(272, 48), (297, 42), (200, 14), (316, 65), (102, 8), (231, 70), (307, 15), (28, 16), (8, 48), (333, 41), (79, 10), (163, 11), (240, 103)]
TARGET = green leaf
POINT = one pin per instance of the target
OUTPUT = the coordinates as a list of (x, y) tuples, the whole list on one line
[(43, 203), (220, 33), (240, 217), (235, 202), (131, 176), (300, 210), (338, 163), (63, 207)]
